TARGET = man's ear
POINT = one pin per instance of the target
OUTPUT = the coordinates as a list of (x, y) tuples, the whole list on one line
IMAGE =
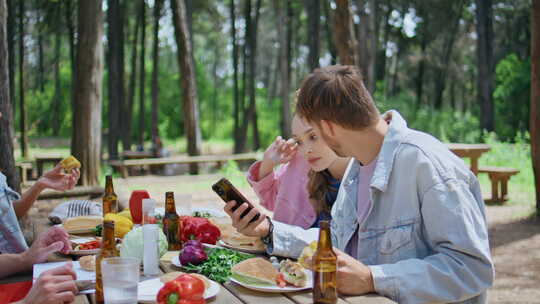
[(328, 127)]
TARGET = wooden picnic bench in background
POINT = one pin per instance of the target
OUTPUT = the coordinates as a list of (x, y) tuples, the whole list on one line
[(499, 180), (122, 165), (497, 175), (24, 168), (42, 159)]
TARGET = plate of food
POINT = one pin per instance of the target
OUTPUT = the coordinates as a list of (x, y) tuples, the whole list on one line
[(259, 274), (85, 246), (81, 224), (148, 290), (240, 242)]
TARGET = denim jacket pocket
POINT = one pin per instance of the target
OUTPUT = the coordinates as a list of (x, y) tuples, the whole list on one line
[(395, 238)]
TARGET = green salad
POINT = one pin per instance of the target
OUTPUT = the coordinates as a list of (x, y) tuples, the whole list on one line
[(219, 264)]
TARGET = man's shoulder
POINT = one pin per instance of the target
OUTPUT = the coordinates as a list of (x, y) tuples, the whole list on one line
[(431, 154)]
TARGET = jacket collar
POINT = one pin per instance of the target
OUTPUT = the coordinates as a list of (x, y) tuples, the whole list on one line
[(397, 131)]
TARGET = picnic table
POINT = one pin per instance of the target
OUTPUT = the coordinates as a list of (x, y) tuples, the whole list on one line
[(42, 159), (230, 293), (472, 151)]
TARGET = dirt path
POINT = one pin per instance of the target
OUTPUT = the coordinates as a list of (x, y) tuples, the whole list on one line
[(514, 238)]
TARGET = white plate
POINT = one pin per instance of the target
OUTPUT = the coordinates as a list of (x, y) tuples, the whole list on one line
[(148, 290), (288, 288), (246, 249), (176, 261)]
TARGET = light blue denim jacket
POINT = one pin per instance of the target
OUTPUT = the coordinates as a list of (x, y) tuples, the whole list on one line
[(425, 237), (11, 236)]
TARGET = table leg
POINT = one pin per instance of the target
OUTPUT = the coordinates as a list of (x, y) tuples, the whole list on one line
[(494, 188), (504, 189), (39, 165), (474, 165)]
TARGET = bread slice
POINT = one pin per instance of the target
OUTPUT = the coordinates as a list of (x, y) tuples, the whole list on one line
[(239, 240), (88, 262), (69, 163), (255, 271), (82, 223)]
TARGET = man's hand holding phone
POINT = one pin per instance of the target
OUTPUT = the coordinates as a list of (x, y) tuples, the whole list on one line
[(258, 228)]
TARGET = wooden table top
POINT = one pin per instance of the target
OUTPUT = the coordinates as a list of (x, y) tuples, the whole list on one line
[(457, 147)]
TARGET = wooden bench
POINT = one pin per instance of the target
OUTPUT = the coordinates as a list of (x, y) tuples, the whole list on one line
[(91, 191), (24, 167), (499, 177), (122, 165)]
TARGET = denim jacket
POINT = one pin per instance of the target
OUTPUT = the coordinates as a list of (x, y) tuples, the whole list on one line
[(425, 236), (11, 236)]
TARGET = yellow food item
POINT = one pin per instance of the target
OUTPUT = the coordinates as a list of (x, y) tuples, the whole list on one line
[(307, 254), (122, 225), (126, 213), (81, 223), (69, 163)]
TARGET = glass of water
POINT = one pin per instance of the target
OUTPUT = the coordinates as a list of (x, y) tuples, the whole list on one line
[(120, 280)]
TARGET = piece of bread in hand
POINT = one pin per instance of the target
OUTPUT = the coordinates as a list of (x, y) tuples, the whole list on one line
[(69, 163)]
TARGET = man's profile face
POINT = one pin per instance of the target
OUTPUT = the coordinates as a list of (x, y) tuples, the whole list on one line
[(329, 139)]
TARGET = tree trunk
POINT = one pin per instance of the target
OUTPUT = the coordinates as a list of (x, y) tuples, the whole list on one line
[(87, 128), (7, 160), (41, 69), (11, 25), (252, 112), (236, 104), (188, 80), (128, 125), (57, 99), (442, 70), (423, 33), (329, 33), (155, 73), (381, 67), (22, 108), (72, 49), (367, 41), (142, 72), (313, 8), (285, 66), (344, 34), (242, 138), (484, 52), (535, 98), (115, 58)]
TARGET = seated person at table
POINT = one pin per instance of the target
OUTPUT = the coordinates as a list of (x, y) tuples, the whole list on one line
[(13, 206), (53, 286), (414, 229), (302, 191)]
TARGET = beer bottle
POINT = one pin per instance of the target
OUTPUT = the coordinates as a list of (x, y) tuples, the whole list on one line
[(171, 223), (108, 250), (110, 199), (325, 268)]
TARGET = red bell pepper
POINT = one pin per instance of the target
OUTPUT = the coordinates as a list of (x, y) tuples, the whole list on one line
[(198, 228), (185, 289)]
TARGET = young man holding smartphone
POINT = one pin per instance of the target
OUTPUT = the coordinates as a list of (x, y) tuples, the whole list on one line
[(409, 221)]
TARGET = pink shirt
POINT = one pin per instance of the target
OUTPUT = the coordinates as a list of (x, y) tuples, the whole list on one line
[(363, 201), (284, 191)]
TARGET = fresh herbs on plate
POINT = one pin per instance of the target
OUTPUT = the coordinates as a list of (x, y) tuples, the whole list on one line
[(219, 264)]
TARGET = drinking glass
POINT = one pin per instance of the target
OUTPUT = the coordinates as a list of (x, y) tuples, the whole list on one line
[(135, 204), (120, 280)]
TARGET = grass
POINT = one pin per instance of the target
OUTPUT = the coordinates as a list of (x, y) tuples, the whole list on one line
[(516, 155)]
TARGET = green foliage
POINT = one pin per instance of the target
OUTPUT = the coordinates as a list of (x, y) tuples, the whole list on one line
[(232, 172), (512, 96), (446, 124)]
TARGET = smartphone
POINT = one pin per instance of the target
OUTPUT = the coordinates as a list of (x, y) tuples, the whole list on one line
[(228, 192)]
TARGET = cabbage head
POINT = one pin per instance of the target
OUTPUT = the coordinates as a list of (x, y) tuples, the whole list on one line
[(132, 244)]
